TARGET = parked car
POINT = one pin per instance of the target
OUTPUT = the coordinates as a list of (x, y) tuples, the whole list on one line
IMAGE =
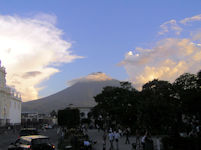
[(32, 142), (28, 131)]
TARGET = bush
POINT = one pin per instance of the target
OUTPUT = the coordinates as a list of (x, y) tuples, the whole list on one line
[(181, 143), (85, 120), (69, 118)]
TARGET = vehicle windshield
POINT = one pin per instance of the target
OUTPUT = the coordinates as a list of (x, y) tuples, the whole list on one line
[(28, 132), (40, 141)]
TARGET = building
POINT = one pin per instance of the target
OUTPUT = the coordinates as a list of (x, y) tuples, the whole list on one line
[(35, 119), (10, 102), (84, 111)]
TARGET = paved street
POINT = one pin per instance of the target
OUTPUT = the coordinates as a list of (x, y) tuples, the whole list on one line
[(9, 137), (6, 138), (97, 136)]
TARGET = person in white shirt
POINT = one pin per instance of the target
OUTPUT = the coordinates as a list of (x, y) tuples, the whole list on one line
[(120, 132)]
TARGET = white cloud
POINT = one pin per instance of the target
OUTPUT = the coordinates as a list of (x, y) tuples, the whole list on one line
[(191, 19), (170, 26), (168, 59), (98, 76), (30, 49)]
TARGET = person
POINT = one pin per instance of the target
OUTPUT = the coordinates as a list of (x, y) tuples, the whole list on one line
[(110, 130), (58, 131), (111, 138), (143, 140), (98, 127), (104, 145), (147, 142), (120, 132), (138, 145), (127, 136), (104, 140), (87, 144), (116, 137)]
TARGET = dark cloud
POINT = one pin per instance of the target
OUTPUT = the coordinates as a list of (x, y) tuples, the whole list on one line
[(31, 74)]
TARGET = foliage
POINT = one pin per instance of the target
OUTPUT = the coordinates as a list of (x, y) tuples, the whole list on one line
[(117, 103), (188, 89), (69, 117), (159, 106), (157, 110), (53, 113), (181, 143)]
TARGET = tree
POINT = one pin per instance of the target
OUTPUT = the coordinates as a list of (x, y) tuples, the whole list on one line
[(188, 90), (118, 103), (53, 113), (199, 79), (186, 81), (69, 117), (157, 109)]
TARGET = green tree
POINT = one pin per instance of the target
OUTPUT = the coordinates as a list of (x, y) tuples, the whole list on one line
[(189, 94), (69, 117), (199, 79), (119, 103), (53, 113), (157, 110)]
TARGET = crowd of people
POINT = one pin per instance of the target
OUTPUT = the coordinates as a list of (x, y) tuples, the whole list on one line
[(112, 136), (144, 142)]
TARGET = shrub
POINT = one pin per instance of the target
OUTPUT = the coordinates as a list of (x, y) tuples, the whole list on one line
[(181, 143)]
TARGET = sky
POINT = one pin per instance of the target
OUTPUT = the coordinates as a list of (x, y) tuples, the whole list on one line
[(47, 45)]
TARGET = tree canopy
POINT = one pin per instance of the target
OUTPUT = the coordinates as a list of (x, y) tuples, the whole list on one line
[(158, 106)]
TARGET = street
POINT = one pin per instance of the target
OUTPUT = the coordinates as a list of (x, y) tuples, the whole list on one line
[(6, 138), (10, 136), (97, 136)]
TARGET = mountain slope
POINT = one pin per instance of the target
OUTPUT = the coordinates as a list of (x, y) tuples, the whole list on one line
[(80, 94)]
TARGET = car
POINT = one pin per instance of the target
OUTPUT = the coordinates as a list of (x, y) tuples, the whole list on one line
[(28, 131), (32, 142)]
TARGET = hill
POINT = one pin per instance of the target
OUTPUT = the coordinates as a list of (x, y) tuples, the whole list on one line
[(79, 94)]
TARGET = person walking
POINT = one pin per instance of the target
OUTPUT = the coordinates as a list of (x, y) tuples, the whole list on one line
[(127, 132), (147, 141), (137, 142), (120, 132), (104, 140), (143, 140), (116, 137), (111, 139)]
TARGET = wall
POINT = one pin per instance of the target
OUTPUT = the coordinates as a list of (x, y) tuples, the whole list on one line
[(15, 111)]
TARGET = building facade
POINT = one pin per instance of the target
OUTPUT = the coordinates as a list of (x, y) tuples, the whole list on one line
[(10, 102), (30, 119)]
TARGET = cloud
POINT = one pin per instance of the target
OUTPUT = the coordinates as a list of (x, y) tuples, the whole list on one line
[(31, 49), (31, 74), (98, 76), (191, 19), (170, 26), (166, 60)]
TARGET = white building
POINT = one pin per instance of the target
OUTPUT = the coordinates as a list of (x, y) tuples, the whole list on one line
[(10, 102), (84, 111)]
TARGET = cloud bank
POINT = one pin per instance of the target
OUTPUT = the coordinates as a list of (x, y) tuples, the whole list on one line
[(169, 57), (31, 49), (98, 76)]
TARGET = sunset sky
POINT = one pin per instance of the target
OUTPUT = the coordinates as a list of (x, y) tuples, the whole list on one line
[(46, 45)]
